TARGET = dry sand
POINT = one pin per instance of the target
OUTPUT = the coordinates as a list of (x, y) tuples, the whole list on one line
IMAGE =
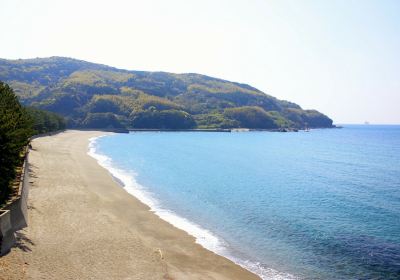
[(83, 225)]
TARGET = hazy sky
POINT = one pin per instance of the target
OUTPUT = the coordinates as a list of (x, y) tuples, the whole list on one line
[(340, 57)]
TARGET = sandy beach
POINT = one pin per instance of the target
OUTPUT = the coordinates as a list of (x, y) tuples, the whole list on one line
[(83, 225)]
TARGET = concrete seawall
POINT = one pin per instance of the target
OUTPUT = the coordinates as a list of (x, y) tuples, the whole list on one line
[(14, 215), (7, 237)]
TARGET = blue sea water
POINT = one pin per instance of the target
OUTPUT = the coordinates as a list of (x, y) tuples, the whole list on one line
[(323, 204)]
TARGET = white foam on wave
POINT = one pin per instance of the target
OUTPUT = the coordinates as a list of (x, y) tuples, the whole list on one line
[(204, 237)]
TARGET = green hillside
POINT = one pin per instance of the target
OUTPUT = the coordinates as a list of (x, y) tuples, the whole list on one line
[(98, 96)]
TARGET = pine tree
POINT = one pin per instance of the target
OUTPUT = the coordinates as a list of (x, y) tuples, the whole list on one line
[(15, 130)]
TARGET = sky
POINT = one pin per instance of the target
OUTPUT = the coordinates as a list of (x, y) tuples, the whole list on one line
[(341, 57)]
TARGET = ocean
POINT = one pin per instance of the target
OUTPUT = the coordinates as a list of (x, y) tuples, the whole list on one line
[(323, 204)]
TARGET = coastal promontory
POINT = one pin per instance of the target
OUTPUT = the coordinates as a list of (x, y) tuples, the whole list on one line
[(92, 95)]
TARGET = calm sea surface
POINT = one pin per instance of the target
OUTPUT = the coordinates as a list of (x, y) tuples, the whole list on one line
[(323, 204)]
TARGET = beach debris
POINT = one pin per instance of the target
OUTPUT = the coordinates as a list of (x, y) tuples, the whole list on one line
[(158, 250)]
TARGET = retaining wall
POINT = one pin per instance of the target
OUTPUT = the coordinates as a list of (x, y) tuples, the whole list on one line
[(14, 215), (7, 237)]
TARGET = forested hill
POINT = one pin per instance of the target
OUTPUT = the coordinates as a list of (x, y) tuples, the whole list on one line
[(98, 96)]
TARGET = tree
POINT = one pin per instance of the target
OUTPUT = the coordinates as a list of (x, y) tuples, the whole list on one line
[(44, 121), (251, 117), (167, 119), (15, 130), (102, 120)]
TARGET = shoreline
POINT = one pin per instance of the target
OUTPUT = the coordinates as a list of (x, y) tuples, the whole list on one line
[(78, 215), (204, 237), (226, 130)]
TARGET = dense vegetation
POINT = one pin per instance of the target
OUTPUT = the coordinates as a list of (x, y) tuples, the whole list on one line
[(172, 119), (44, 121), (15, 130), (97, 96), (251, 117), (17, 125)]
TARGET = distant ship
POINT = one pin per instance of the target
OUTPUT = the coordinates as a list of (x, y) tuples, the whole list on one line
[(366, 123)]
